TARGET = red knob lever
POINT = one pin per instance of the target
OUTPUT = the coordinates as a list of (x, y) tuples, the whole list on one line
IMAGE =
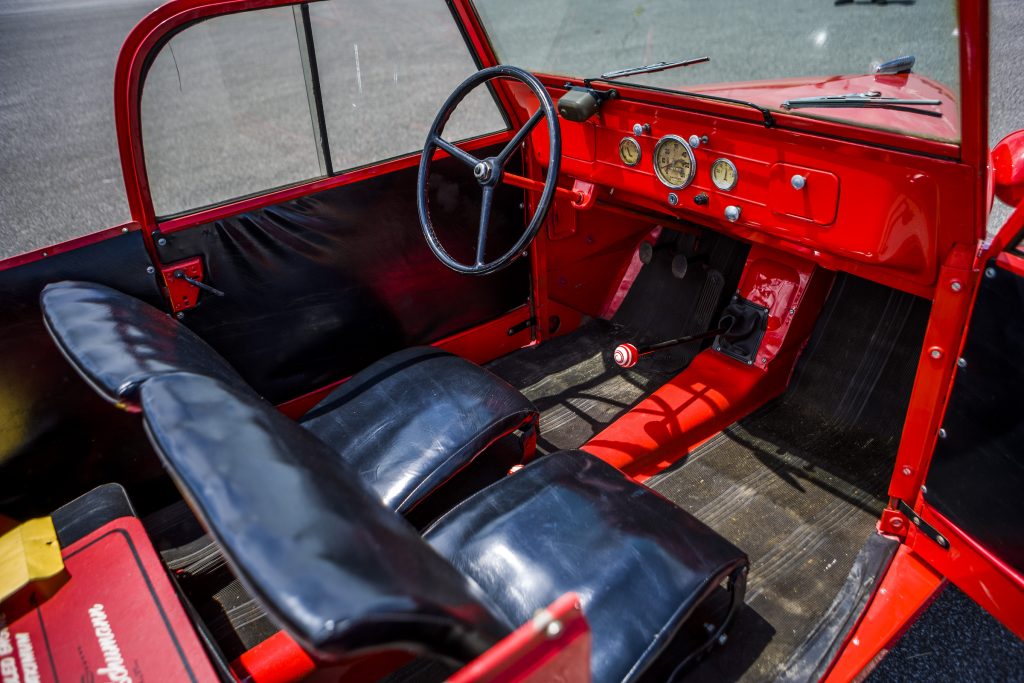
[(626, 355)]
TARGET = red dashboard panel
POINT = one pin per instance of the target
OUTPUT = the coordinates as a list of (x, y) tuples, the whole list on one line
[(886, 215)]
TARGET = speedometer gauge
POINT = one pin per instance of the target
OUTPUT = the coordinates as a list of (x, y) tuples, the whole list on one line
[(673, 162)]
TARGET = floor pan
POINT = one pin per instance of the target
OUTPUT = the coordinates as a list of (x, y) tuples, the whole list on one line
[(800, 484)]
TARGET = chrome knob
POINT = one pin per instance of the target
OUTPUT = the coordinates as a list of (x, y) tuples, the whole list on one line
[(798, 181), (673, 198), (732, 213), (694, 141), (641, 128)]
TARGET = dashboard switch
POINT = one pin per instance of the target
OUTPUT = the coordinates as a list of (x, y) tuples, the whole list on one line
[(694, 141), (673, 198), (701, 199), (732, 213), (798, 181), (641, 129)]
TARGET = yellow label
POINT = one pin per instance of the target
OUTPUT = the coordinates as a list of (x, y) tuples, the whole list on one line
[(29, 552)]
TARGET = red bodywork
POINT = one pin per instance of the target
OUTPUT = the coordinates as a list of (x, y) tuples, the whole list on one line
[(907, 212)]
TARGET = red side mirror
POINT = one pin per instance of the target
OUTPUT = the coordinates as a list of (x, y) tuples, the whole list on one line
[(1008, 168)]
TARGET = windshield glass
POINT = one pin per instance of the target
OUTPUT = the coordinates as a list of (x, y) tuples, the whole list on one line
[(767, 53)]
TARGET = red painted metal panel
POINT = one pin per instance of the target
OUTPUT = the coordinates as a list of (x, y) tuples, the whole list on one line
[(908, 587), (978, 573), (553, 646), (816, 200), (714, 390), (897, 213), (943, 339)]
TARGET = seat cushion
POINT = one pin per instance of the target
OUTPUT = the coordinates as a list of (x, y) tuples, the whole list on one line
[(117, 342), (311, 543), (571, 522), (415, 418)]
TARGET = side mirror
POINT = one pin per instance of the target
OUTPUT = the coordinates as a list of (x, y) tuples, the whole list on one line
[(1008, 168)]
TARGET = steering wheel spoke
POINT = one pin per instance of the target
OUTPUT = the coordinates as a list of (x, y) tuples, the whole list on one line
[(485, 222), (457, 152), (518, 138)]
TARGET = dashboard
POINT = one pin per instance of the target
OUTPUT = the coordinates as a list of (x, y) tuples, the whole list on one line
[(884, 214)]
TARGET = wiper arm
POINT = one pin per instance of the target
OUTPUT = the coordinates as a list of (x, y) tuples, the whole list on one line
[(869, 99), (652, 68)]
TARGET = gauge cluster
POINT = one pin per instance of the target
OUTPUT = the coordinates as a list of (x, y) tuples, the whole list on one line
[(675, 164)]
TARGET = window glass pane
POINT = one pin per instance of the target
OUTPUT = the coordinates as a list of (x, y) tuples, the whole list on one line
[(765, 52), (385, 69), (225, 112)]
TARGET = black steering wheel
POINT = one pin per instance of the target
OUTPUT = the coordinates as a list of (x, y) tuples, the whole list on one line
[(488, 171)]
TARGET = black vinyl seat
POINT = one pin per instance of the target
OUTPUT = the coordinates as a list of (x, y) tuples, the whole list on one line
[(343, 574), (408, 424)]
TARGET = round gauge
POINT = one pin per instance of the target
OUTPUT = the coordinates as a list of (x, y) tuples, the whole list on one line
[(629, 151), (724, 174), (673, 162)]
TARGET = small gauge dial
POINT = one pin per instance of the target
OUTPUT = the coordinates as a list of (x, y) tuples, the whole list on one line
[(673, 162), (629, 151), (724, 174)]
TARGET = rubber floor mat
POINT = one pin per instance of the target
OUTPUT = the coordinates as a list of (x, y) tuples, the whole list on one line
[(576, 385), (800, 484)]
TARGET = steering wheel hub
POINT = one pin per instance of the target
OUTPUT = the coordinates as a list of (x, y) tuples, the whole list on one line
[(482, 172)]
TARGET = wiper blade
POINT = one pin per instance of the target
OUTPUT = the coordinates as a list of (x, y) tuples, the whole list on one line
[(652, 68), (869, 99)]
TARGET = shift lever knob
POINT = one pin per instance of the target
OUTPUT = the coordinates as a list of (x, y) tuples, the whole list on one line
[(626, 355)]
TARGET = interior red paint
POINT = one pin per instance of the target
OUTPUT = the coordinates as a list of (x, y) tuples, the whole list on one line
[(897, 213), (714, 390), (981, 575), (945, 332), (278, 659), (534, 653), (908, 587), (926, 214)]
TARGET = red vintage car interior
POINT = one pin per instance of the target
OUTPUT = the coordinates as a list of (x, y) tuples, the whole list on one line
[(695, 431)]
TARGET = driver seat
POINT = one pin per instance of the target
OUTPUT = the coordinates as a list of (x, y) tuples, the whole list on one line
[(413, 425)]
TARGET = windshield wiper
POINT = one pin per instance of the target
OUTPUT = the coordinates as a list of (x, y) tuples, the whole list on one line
[(869, 99), (652, 68)]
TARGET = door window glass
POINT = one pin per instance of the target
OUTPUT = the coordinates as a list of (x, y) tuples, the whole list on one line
[(225, 113), (385, 69)]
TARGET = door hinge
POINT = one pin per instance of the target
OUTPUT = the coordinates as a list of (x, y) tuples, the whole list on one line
[(923, 526)]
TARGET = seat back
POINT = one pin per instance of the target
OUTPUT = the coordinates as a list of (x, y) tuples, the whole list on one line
[(334, 566), (117, 342)]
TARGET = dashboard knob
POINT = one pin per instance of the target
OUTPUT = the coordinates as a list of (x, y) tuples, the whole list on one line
[(641, 128), (732, 213), (694, 141), (798, 181)]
